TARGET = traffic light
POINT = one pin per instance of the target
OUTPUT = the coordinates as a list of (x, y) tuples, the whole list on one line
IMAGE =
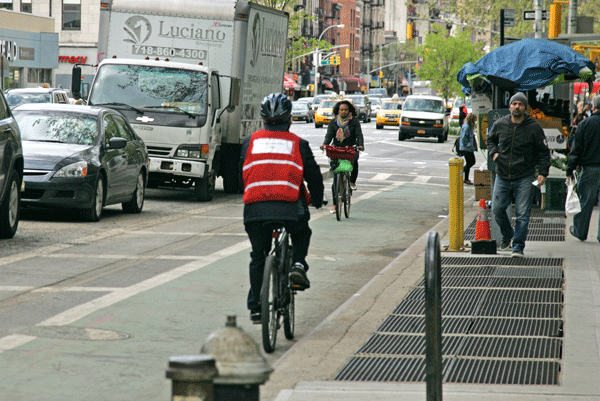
[(380, 74), (409, 31), (554, 22), (578, 49), (338, 60), (347, 53), (332, 60)]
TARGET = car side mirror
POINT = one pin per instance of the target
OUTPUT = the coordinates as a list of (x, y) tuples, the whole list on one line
[(117, 143)]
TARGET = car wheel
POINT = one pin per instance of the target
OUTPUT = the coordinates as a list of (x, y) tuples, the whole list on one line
[(10, 209), (136, 203), (441, 138), (318, 125), (378, 126), (401, 136), (94, 212)]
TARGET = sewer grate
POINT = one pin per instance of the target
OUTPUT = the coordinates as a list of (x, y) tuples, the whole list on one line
[(499, 295), (463, 370), (449, 307), (500, 261), (516, 327), (465, 346), (416, 324), (499, 282)]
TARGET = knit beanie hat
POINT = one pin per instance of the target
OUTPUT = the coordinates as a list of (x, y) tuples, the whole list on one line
[(519, 97)]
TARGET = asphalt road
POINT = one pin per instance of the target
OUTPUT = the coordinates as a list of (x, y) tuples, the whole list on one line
[(94, 310)]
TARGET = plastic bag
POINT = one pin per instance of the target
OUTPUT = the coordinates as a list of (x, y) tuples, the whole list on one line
[(572, 205)]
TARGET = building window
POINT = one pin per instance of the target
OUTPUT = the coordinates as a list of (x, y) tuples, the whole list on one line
[(39, 76), (6, 4), (71, 15), (26, 6)]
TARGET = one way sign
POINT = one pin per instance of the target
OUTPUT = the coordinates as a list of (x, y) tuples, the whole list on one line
[(529, 15)]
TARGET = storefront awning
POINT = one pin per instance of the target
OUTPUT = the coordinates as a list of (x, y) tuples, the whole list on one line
[(579, 87), (289, 83), (327, 83), (359, 81)]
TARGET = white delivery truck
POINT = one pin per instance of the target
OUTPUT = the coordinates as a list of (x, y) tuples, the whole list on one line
[(423, 88), (190, 75)]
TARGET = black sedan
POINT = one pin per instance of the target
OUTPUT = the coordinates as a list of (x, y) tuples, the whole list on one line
[(81, 157)]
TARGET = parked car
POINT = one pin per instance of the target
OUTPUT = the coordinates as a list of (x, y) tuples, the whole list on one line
[(456, 108), (16, 97), (375, 105), (389, 114), (324, 113), (11, 171), (81, 157), (363, 106), (308, 100), (423, 116), (302, 111)]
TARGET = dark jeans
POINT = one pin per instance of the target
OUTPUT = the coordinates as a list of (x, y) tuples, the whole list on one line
[(588, 185), (469, 162), (260, 238), (522, 190), (353, 176)]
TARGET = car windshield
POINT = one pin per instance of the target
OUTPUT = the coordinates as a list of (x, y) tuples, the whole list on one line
[(153, 87), (460, 101), (300, 106), (428, 105), (391, 106), (328, 104), (63, 127), (375, 101), (357, 100), (16, 99)]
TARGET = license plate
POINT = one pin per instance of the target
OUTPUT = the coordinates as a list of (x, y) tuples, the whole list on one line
[(420, 131), (391, 119)]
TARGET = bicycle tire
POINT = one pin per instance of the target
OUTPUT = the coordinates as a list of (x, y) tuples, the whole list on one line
[(347, 196), (339, 196), (289, 312), (268, 304), (290, 316)]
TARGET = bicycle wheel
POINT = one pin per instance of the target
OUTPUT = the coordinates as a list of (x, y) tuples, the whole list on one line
[(268, 304), (347, 196), (339, 189), (289, 316), (289, 312)]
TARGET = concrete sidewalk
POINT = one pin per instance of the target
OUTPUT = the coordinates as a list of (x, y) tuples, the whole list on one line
[(306, 372)]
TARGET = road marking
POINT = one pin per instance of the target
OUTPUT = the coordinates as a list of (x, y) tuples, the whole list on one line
[(381, 177), (421, 179)]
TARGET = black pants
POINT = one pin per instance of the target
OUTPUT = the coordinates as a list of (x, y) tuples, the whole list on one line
[(469, 162), (260, 238)]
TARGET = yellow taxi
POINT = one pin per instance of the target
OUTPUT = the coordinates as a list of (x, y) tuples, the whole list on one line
[(389, 114), (324, 113)]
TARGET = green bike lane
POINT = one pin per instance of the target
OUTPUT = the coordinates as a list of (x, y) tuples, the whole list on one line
[(116, 344)]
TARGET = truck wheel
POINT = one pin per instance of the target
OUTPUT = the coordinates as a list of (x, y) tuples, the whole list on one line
[(378, 126), (204, 188), (401, 136), (10, 208), (441, 138), (318, 125)]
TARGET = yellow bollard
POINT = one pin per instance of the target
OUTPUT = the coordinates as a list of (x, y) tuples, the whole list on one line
[(456, 205)]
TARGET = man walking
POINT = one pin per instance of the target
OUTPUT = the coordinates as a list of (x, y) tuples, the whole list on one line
[(518, 146), (585, 153)]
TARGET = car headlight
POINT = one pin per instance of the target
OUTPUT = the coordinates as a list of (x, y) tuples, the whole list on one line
[(405, 120), (439, 122), (78, 169)]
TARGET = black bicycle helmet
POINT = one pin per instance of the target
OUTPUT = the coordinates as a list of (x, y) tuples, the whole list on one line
[(276, 108)]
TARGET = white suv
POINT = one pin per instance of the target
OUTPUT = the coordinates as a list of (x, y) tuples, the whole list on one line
[(423, 116)]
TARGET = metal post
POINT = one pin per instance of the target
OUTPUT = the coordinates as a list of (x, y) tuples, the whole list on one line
[(537, 24), (433, 318), (456, 204), (192, 377), (572, 21), (502, 27)]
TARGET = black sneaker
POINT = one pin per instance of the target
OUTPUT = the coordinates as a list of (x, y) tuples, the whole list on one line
[(517, 254), (505, 245), (298, 277), (572, 231), (256, 317)]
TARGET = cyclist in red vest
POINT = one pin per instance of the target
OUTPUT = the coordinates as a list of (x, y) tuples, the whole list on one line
[(274, 165)]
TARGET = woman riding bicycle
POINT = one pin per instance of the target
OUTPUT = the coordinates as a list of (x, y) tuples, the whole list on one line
[(344, 130)]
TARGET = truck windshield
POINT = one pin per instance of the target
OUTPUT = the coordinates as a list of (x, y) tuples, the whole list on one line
[(152, 87), (426, 105)]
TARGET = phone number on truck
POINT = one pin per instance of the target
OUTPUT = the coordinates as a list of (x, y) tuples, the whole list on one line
[(168, 52)]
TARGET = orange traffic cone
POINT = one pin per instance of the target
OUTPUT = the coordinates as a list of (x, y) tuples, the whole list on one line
[(482, 227)]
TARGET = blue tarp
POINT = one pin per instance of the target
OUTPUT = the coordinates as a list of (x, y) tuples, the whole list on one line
[(527, 65)]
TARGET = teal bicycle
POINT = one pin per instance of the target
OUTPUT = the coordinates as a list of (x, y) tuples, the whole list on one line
[(341, 159)]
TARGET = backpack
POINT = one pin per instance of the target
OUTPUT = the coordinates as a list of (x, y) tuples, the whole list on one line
[(456, 147)]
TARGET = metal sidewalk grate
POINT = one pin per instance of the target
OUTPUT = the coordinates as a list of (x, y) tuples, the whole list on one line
[(550, 228), (501, 323)]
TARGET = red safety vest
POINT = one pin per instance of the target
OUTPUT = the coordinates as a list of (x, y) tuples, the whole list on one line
[(273, 169)]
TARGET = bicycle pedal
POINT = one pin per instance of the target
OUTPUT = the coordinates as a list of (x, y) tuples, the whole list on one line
[(297, 287)]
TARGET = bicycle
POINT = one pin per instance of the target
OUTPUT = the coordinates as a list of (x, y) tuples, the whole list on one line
[(277, 293), (341, 163)]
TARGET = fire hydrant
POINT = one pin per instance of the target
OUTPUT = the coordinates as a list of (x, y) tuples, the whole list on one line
[(192, 377), (242, 368)]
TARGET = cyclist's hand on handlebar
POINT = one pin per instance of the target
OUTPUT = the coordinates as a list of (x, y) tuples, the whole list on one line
[(361, 148), (322, 147)]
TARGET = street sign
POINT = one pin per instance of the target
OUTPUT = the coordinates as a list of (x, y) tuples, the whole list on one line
[(509, 17), (324, 62), (529, 15)]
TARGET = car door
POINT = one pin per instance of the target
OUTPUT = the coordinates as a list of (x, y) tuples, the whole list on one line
[(9, 143), (114, 160), (133, 152)]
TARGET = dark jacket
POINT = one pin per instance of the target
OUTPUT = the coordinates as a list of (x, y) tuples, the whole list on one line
[(522, 148), (355, 138), (468, 143), (278, 210), (586, 144)]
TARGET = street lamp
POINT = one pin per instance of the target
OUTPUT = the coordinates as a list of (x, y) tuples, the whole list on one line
[(317, 58)]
